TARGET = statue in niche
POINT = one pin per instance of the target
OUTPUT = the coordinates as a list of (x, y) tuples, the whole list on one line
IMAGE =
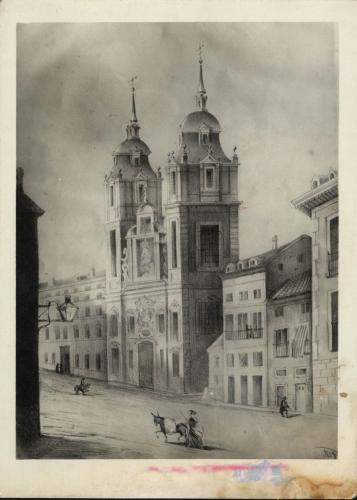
[(146, 259), (125, 266)]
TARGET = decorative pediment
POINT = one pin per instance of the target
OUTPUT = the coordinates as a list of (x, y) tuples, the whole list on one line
[(209, 158), (204, 129)]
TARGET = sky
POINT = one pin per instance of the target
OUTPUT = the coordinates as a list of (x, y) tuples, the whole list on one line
[(272, 86)]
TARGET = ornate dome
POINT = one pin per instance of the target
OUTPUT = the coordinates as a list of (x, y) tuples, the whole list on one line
[(131, 145), (194, 120)]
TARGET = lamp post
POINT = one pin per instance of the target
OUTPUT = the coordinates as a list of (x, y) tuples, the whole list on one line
[(52, 312)]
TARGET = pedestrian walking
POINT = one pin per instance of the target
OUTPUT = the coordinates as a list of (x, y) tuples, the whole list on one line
[(284, 407)]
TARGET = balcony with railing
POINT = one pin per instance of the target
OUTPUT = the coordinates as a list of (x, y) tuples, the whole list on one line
[(332, 264), (248, 333), (281, 350)]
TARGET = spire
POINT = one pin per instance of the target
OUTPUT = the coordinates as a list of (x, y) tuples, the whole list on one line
[(133, 128), (133, 107), (201, 97)]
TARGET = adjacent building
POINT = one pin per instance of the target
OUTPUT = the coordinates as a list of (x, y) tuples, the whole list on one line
[(78, 348), (321, 205), (246, 349), (289, 344)]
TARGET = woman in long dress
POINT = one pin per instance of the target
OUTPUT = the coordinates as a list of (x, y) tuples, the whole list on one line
[(194, 431)]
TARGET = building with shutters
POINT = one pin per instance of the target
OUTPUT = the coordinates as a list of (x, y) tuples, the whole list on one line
[(321, 205), (245, 347), (169, 235), (289, 344)]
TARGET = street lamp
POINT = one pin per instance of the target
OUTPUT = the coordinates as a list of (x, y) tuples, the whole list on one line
[(54, 312)]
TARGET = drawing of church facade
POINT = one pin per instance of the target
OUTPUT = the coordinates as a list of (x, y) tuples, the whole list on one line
[(169, 235)]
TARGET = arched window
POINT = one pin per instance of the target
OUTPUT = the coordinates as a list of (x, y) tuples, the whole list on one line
[(314, 184), (113, 325), (240, 266), (252, 263), (98, 330)]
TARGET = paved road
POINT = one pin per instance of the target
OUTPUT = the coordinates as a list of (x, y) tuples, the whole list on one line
[(113, 423)]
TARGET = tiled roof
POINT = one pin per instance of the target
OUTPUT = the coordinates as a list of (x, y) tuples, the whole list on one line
[(261, 260), (295, 286)]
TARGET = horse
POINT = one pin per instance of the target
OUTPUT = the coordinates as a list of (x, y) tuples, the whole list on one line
[(169, 426), (82, 388)]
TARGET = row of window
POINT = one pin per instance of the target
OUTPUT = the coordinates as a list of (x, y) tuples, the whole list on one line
[(116, 363), (209, 180), (305, 308), (257, 359), (160, 325), (256, 294), (88, 311), (57, 293), (86, 334), (86, 361), (249, 326), (299, 372)]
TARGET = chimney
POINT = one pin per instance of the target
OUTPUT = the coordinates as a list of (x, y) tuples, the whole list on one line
[(274, 242)]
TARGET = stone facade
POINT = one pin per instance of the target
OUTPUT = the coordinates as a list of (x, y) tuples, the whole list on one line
[(321, 204)]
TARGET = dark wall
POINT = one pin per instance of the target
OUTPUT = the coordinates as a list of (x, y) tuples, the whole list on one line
[(27, 378)]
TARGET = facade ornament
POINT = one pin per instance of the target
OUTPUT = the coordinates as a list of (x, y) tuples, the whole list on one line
[(145, 314), (120, 174), (159, 172), (209, 150), (125, 267)]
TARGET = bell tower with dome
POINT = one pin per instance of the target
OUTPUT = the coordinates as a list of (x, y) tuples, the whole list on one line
[(130, 185), (201, 213)]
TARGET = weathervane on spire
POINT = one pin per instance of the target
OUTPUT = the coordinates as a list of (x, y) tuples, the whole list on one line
[(134, 119), (131, 81), (200, 47), (201, 97)]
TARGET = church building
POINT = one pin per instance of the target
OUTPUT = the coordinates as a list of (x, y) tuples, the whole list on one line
[(169, 235)]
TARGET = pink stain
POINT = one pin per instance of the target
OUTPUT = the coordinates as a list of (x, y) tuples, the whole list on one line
[(209, 468)]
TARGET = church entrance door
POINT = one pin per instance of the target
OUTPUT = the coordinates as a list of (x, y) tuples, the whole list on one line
[(146, 364)]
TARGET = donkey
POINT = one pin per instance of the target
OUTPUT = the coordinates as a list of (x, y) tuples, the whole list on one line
[(169, 426)]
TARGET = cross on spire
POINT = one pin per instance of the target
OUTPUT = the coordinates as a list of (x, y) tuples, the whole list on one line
[(132, 129)]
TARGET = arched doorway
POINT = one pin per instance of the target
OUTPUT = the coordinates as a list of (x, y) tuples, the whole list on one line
[(146, 364)]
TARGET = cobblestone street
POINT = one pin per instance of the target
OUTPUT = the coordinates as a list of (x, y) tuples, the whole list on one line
[(115, 423)]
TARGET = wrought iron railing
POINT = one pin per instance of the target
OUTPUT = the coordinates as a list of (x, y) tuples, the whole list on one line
[(281, 350), (332, 264), (334, 336), (248, 333)]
